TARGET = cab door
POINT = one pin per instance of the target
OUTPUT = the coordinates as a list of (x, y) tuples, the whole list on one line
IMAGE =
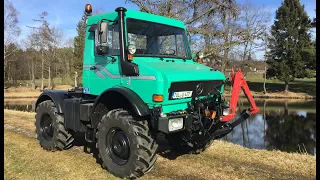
[(104, 69)]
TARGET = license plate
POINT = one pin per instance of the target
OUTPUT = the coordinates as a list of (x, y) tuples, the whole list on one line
[(181, 94)]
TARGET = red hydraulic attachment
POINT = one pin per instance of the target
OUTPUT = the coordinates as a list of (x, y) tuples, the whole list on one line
[(238, 82)]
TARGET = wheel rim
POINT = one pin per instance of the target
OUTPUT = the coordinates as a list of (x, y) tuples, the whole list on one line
[(118, 146), (46, 125)]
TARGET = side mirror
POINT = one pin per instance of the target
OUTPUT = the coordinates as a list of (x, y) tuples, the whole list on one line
[(102, 34)]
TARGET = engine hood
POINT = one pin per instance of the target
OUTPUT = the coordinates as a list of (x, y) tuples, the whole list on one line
[(178, 70)]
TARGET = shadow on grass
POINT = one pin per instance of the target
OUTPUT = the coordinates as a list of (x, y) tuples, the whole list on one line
[(164, 148), (88, 147)]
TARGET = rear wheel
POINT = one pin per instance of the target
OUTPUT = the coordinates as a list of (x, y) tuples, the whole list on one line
[(125, 145), (50, 128)]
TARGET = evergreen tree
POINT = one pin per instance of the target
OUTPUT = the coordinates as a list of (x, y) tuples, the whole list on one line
[(310, 52), (288, 42), (79, 46)]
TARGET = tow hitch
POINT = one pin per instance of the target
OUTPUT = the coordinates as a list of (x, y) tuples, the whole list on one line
[(228, 127), (238, 82)]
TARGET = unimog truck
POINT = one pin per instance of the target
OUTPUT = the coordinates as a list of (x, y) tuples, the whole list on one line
[(140, 79)]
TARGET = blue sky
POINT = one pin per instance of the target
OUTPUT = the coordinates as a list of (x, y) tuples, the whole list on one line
[(61, 13), (67, 13)]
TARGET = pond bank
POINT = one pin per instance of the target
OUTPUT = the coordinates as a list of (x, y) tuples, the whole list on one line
[(35, 94), (280, 95)]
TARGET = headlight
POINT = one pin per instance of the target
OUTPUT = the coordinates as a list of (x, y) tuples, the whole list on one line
[(175, 124), (132, 49)]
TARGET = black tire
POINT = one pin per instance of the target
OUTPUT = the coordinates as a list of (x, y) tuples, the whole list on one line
[(50, 128), (180, 146), (125, 146)]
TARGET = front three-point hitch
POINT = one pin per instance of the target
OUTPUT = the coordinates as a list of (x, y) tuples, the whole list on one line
[(238, 82)]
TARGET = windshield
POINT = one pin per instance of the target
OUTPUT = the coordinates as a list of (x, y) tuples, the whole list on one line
[(157, 40)]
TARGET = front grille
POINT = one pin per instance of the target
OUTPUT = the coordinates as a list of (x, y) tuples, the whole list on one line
[(208, 87)]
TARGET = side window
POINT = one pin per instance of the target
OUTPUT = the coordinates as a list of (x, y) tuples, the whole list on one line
[(115, 50), (113, 40)]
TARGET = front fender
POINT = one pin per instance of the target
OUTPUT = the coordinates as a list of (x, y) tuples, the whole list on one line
[(138, 105)]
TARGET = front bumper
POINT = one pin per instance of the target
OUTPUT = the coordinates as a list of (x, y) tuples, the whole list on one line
[(163, 124)]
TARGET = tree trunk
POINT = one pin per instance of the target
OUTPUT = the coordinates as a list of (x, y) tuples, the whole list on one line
[(75, 79), (49, 78), (67, 60), (42, 64), (264, 122), (56, 70), (52, 82), (244, 51), (33, 84), (30, 73), (5, 64), (265, 80), (224, 60), (67, 70), (8, 73), (265, 63)]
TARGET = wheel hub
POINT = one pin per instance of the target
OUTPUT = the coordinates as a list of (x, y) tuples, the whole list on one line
[(46, 127), (118, 146)]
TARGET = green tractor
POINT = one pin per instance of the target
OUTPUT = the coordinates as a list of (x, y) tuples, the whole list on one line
[(140, 79)]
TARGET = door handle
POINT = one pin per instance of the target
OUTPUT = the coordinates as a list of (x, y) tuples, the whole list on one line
[(93, 68)]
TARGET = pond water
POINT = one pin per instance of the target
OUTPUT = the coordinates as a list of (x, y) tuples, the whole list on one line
[(283, 125)]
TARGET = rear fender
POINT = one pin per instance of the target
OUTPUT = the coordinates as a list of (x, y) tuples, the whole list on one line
[(57, 96)]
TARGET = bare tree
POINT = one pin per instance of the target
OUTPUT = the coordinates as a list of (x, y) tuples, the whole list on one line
[(11, 31), (189, 11), (231, 31), (254, 20), (43, 33), (57, 36), (30, 43), (265, 60)]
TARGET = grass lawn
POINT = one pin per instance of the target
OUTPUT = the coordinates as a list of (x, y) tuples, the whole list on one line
[(300, 87), (25, 159), (27, 92), (305, 85)]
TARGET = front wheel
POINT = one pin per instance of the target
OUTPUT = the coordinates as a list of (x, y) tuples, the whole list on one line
[(125, 145)]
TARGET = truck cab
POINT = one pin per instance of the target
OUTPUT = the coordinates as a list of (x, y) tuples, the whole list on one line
[(156, 55)]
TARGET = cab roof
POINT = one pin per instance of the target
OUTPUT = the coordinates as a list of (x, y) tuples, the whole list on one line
[(137, 15)]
